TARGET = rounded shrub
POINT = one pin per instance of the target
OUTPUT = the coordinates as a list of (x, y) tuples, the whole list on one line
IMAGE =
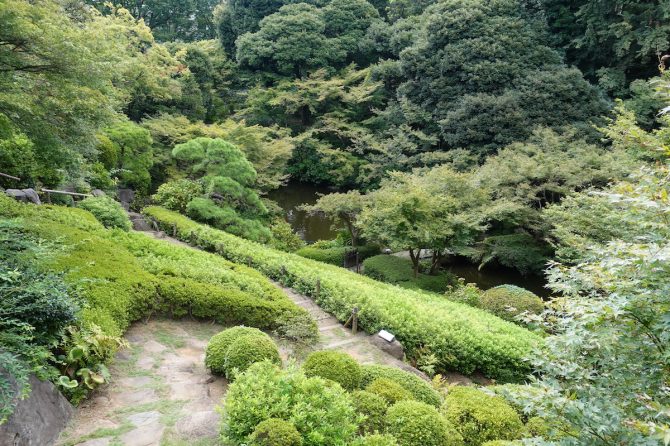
[(415, 423), (107, 211), (389, 390), (335, 366), (421, 390), (215, 353), (176, 195), (376, 440), (248, 350), (509, 301), (373, 408), (275, 432), (536, 427), (480, 417), (502, 443)]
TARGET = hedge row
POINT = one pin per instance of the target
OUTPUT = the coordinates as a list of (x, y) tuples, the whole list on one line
[(336, 255), (399, 271), (123, 277), (461, 338)]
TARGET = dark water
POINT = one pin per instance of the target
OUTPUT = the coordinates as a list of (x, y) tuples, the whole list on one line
[(310, 227), (314, 228)]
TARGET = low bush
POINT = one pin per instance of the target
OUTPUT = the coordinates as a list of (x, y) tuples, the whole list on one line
[(335, 366), (480, 417), (373, 408), (509, 301), (389, 390), (275, 432), (536, 427), (415, 423), (106, 211), (398, 270), (502, 443), (335, 255), (176, 195), (420, 389), (321, 412), (376, 440), (248, 350), (460, 337), (283, 236), (218, 345)]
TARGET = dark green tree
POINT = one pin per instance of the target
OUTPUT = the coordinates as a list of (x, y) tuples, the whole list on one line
[(236, 17)]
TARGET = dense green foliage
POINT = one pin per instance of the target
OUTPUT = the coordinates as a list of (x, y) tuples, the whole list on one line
[(460, 337), (320, 411), (373, 407), (107, 211), (388, 390), (335, 366), (248, 350), (413, 422), (479, 417)]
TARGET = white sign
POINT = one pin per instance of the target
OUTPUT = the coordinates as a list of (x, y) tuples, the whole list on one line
[(385, 335)]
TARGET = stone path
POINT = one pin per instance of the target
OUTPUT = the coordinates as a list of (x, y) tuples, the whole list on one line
[(160, 394)]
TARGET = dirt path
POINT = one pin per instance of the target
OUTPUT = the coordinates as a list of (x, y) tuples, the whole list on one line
[(161, 393)]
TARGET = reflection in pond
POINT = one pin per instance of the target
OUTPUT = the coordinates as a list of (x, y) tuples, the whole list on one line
[(311, 228)]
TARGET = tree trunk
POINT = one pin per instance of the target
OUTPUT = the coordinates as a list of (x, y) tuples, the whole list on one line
[(435, 262), (416, 258)]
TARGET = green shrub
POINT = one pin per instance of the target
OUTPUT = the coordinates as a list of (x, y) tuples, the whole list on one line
[(480, 417), (335, 366), (373, 408), (333, 256), (218, 345), (509, 301), (399, 271), (420, 389), (376, 440), (248, 350), (415, 423), (275, 432), (283, 237), (321, 412), (390, 390), (461, 338), (106, 211), (176, 195)]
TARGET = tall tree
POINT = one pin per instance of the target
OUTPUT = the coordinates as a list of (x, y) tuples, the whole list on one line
[(480, 74), (236, 17), (434, 209)]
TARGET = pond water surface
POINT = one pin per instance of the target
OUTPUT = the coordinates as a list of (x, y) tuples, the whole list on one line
[(312, 228)]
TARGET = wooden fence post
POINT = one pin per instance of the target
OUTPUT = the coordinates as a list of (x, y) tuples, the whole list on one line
[(318, 289)]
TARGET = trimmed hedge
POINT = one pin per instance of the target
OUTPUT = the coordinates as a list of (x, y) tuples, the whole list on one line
[(335, 366), (461, 338), (376, 440), (275, 432), (420, 389), (218, 345), (414, 423), (335, 255), (509, 301), (122, 277), (399, 271), (480, 417)]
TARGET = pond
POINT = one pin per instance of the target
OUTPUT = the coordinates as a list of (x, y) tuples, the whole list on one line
[(312, 228)]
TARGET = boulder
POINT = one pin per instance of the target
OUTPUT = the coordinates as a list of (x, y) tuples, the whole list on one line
[(139, 222), (126, 196), (38, 419), (17, 194), (97, 193), (32, 196), (393, 348)]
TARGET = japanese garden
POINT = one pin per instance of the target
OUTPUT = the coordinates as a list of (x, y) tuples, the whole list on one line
[(334, 223)]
